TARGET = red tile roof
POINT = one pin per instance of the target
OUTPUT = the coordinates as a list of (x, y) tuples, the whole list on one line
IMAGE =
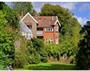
[(45, 21)]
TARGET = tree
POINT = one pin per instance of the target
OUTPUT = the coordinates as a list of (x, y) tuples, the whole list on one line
[(83, 56), (12, 19), (6, 43), (23, 7), (11, 16), (1, 5), (34, 13)]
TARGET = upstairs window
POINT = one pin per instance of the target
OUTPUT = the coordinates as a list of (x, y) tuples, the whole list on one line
[(49, 29), (29, 26), (39, 29)]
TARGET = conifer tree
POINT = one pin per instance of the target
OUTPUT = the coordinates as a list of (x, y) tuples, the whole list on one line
[(83, 56)]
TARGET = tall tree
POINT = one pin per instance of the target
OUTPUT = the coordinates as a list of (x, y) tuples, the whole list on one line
[(83, 56), (11, 16), (6, 41), (23, 7), (1, 5)]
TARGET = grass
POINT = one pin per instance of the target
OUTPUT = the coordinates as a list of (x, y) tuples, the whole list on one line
[(48, 66)]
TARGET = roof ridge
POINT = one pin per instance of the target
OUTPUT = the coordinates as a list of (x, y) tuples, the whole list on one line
[(44, 16)]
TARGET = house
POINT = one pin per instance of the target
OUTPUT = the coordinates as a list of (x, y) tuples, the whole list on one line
[(44, 27)]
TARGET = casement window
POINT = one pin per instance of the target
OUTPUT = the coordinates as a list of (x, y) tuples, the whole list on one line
[(49, 29)]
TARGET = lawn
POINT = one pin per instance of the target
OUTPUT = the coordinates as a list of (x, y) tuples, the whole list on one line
[(47, 66)]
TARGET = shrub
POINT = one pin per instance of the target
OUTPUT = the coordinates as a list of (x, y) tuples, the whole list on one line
[(37, 43), (1, 65), (35, 58), (6, 49), (21, 54), (37, 51), (43, 55), (61, 51)]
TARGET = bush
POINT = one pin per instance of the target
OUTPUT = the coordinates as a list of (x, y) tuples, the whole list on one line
[(43, 55), (21, 54), (34, 58), (6, 49), (1, 65), (37, 51), (37, 43), (20, 59), (56, 52)]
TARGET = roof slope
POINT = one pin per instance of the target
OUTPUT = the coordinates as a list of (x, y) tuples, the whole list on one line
[(45, 21), (42, 21)]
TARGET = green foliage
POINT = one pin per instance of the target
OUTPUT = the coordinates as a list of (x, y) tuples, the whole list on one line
[(1, 5), (11, 17), (23, 7), (6, 43), (21, 53), (53, 50), (30, 55), (37, 43), (59, 51), (37, 51), (7, 48), (35, 58), (83, 55), (3, 21), (43, 55)]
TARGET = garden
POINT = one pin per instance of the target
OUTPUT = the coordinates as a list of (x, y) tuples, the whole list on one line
[(71, 53)]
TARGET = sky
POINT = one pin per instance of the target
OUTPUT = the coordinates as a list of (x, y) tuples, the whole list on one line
[(81, 10)]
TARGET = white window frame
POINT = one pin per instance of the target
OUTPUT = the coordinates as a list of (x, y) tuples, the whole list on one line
[(48, 29)]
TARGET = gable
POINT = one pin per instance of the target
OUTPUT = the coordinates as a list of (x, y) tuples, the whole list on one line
[(28, 19), (57, 22)]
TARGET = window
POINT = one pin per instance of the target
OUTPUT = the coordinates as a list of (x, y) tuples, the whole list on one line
[(29, 26), (49, 29), (39, 29)]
